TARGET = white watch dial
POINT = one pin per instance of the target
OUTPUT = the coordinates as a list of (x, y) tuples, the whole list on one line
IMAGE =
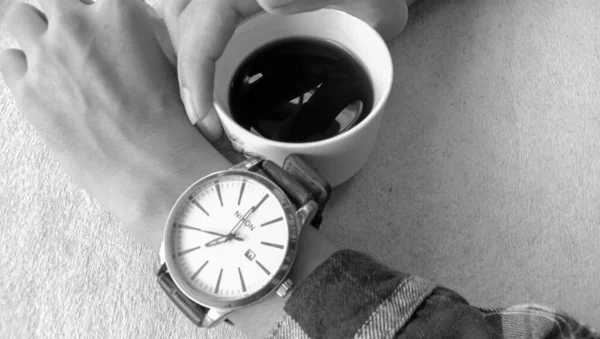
[(228, 238)]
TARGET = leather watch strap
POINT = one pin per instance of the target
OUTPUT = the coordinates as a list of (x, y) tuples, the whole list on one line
[(295, 166), (315, 183), (193, 311), (300, 182)]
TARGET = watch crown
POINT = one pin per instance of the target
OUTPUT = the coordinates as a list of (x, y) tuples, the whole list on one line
[(283, 290)]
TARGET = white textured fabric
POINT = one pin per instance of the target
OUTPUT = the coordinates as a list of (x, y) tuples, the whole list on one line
[(485, 179)]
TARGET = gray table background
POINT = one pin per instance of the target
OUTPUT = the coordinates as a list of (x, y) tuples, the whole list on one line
[(484, 178)]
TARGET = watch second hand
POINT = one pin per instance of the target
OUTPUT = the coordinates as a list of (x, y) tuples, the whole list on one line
[(209, 232), (221, 235)]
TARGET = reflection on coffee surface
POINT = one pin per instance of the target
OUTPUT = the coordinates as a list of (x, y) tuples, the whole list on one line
[(300, 90)]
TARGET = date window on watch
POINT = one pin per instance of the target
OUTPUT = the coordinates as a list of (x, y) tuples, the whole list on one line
[(250, 255)]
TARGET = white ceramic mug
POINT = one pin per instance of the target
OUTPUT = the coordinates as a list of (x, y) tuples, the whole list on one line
[(338, 158)]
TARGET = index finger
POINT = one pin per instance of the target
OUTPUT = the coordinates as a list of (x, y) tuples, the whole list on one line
[(54, 7), (203, 40)]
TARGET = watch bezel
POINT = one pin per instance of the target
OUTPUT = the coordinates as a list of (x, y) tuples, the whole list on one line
[(210, 301)]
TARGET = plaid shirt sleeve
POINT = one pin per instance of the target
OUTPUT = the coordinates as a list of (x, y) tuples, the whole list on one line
[(353, 296)]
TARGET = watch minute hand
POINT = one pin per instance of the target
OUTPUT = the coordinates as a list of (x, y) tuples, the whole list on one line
[(231, 234), (241, 221), (217, 241)]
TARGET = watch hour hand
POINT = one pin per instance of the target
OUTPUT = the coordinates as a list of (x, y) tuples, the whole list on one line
[(217, 241)]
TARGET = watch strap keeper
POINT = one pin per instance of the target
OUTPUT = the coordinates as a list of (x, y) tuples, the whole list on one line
[(300, 182), (193, 311)]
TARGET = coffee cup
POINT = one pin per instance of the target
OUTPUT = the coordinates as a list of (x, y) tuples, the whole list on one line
[(341, 156)]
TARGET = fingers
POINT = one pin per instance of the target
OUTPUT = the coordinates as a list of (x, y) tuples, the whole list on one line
[(13, 66), (388, 17), (27, 24), (199, 49), (201, 42), (295, 6), (173, 12), (54, 7), (199, 31)]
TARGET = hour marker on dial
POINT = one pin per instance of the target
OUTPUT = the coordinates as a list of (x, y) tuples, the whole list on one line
[(199, 206), (218, 186), (199, 270), (242, 280), (271, 222), (241, 192), (263, 268), (188, 251), (271, 244), (219, 281)]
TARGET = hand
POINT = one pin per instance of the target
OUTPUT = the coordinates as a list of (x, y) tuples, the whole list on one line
[(200, 30), (95, 84)]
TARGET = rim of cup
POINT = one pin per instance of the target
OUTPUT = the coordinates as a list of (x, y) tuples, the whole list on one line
[(377, 107)]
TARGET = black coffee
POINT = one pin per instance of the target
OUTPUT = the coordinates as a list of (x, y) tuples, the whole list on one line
[(300, 90)]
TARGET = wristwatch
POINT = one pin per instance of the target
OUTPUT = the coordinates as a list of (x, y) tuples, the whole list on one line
[(231, 237)]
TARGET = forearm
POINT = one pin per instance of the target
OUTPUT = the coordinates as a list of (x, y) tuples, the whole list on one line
[(151, 207)]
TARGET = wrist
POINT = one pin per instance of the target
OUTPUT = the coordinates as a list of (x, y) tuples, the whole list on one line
[(257, 320), (152, 203)]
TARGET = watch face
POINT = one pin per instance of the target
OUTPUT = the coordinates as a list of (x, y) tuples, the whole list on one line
[(230, 238)]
